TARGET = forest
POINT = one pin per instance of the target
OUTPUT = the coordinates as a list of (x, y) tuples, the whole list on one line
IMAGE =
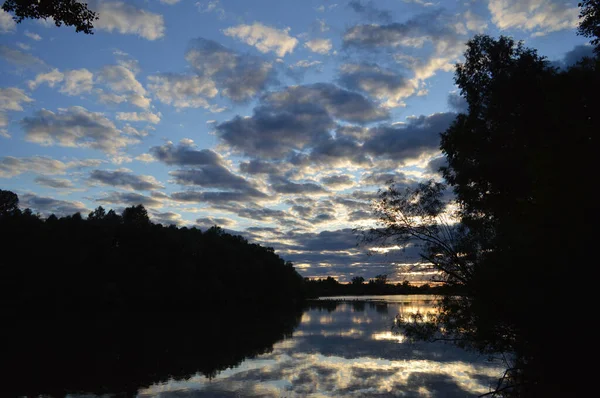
[(125, 263)]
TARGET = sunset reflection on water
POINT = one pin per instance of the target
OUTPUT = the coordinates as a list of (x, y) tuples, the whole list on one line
[(349, 349)]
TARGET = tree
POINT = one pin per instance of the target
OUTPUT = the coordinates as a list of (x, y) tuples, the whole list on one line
[(590, 21), (358, 280), (68, 12), (518, 164), (136, 215), (98, 214), (9, 203)]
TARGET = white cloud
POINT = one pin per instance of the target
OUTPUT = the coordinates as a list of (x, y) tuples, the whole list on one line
[(11, 166), (75, 127), (264, 38), (78, 81), (139, 117), (121, 80), (540, 16), (169, 2), (51, 78), (320, 46), (183, 91), (110, 98), (33, 36), (7, 23), (11, 99), (127, 19)]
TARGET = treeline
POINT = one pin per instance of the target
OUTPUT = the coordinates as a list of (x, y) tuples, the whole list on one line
[(330, 286), (124, 262)]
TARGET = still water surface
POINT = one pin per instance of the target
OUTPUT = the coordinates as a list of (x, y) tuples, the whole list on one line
[(346, 348)]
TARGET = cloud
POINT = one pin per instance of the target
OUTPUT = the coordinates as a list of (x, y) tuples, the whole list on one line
[(77, 81), (338, 181), (218, 197), (57, 183), (540, 16), (575, 55), (49, 206), (370, 11), (51, 78), (213, 176), (282, 185), (384, 84), (128, 19), (121, 79), (33, 36), (75, 127), (434, 164), (208, 222), (296, 118), (11, 166), (18, 57), (139, 117), (167, 218), (185, 154), (125, 179), (183, 91), (409, 140), (320, 46), (7, 23), (264, 38), (457, 102), (130, 199), (170, 2), (238, 77), (12, 98)]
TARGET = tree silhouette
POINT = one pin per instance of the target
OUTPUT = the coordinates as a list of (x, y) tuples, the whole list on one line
[(589, 25), (68, 12), (518, 163), (9, 203)]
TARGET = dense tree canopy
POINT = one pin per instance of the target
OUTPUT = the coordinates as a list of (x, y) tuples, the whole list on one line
[(518, 162), (124, 263), (68, 12)]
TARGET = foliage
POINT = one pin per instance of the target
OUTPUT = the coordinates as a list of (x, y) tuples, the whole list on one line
[(589, 25), (68, 12), (9, 203), (125, 263), (518, 163)]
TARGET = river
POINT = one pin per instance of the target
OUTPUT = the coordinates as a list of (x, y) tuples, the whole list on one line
[(346, 348)]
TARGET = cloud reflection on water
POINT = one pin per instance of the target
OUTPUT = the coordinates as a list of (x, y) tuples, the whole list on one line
[(348, 352)]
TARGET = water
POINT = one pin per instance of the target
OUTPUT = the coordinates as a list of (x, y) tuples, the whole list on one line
[(346, 348)]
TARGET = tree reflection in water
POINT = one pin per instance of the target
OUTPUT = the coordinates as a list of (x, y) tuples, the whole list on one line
[(118, 356)]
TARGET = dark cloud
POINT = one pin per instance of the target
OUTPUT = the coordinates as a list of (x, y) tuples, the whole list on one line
[(575, 55), (376, 81), (57, 183), (457, 103), (214, 176), (207, 222), (125, 179), (47, 206), (239, 77), (334, 151), (185, 154), (75, 127), (359, 215), (409, 140), (381, 179), (259, 167), (282, 185), (167, 218), (338, 181), (295, 118), (434, 26), (434, 164), (130, 199), (216, 196), (368, 10)]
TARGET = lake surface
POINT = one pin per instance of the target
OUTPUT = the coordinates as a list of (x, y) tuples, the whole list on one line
[(345, 348)]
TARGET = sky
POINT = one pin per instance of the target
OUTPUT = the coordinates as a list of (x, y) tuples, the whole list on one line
[(275, 119)]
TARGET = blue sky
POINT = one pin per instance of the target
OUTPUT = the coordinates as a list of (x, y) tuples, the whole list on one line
[(275, 119)]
